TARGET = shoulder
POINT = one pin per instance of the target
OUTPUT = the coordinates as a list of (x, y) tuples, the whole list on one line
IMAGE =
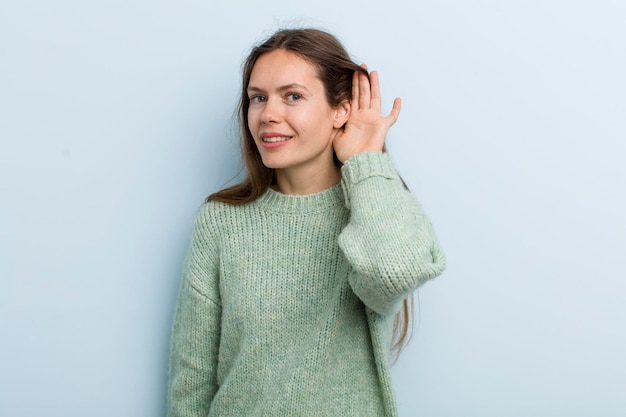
[(210, 215), (216, 217), (211, 209)]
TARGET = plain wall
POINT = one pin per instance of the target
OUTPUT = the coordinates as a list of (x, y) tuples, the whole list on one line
[(116, 121)]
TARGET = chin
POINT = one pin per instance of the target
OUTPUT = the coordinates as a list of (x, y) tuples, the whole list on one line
[(274, 164)]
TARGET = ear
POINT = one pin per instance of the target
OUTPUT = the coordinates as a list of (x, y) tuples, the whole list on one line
[(342, 114)]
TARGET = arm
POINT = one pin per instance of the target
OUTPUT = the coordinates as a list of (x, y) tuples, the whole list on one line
[(196, 329), (389, 241)]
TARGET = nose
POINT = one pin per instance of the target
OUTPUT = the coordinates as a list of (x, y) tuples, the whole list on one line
[(271, 111)]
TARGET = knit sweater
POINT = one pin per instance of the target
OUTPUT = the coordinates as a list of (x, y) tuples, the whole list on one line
[(287, 303)]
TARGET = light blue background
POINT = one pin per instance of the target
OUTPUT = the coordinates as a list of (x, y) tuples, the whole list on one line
[(115, 123)]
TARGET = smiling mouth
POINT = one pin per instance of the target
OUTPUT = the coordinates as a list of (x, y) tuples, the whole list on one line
[(275, 139)]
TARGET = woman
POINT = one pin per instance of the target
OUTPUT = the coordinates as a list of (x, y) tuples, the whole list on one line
[(294, 276)]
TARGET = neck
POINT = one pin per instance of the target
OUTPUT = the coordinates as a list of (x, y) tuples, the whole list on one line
[(302, 181)]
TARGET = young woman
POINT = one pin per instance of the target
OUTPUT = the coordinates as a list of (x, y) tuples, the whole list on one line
[(295, 276)]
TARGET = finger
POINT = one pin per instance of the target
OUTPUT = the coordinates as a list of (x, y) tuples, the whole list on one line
[(395, 111), (375, 91), (364, 90), (355, 90)]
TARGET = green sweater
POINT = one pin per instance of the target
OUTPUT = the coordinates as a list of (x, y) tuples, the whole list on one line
[(286, 304)]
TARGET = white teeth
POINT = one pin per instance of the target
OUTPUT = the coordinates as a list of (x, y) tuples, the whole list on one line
[(276, 139)]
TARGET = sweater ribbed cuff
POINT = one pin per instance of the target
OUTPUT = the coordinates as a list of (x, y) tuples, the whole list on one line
[(364, 165)]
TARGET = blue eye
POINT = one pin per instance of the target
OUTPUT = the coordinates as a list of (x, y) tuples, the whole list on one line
[(257, 99), (294, 97)]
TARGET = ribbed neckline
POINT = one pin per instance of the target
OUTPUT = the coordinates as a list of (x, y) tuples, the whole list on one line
[(298, 204)]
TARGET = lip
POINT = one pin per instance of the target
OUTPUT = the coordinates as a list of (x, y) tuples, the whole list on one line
[(271, 145), (264, 135)]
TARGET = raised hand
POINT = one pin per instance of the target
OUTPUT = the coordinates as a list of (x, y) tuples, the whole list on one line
[(366, 129)]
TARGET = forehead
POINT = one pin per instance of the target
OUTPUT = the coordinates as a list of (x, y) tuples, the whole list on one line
[(281, 67)]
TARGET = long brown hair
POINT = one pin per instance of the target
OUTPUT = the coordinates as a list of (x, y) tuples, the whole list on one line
[(335, 69)]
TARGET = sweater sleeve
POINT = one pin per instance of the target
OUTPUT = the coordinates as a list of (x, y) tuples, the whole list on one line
[(388, 241), (196, 329)]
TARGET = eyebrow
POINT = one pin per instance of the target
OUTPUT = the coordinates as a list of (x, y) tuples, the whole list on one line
[(252, 88)]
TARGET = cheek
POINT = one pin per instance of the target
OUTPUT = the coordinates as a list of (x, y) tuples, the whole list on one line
[(323, 123), (253, 120)]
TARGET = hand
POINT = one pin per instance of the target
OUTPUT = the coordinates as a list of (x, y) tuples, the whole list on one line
[(366, 129)]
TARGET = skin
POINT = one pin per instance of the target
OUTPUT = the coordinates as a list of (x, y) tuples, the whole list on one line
[(287, 99)]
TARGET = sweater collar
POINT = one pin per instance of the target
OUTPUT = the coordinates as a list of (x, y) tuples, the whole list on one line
[(298, 204)]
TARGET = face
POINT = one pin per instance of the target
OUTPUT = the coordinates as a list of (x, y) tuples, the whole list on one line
[(290, 119)]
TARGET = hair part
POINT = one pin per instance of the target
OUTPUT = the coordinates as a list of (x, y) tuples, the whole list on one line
[(335, 69)]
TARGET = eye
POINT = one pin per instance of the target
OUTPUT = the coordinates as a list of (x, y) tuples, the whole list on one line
[(293, 97), (257, 99)]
